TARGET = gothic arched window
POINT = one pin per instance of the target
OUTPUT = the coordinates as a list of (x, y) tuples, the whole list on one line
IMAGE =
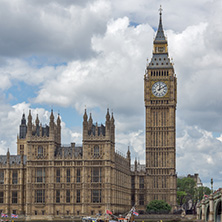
[(40, 151), (96, 151)]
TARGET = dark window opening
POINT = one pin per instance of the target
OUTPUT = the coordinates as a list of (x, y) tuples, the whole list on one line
[(57, 196), (14, 177), (14, 197)]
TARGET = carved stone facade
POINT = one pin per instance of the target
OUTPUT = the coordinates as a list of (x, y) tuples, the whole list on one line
[(160, 95), (46, 180)]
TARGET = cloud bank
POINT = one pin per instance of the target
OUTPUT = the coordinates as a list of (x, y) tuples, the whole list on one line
[(93, 54)]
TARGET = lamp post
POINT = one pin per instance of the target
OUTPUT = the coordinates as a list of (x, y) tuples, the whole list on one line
[(211, 203)]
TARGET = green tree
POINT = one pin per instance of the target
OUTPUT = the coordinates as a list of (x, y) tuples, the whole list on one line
[(186, 184), (181, 197), (200, 192), (158, 206), (185, 190)]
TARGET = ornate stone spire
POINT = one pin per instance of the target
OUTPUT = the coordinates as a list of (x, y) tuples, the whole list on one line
[(112, 118), (8, 156), (128, 152), (58, 120), (107, 115), (135, 164), (160, 58), (51, 116), (30, 117), (23, 120), (37, 120), (90, 119), (85, 117), (160, 37)]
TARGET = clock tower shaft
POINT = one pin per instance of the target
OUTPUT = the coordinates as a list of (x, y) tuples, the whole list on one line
[(160, 95)]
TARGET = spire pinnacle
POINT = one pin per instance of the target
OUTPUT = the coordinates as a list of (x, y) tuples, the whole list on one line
[(160, 9), (58, 119), (107, 115), (30, 117), (51, 116), (23, 120), (37, 120), (85, 117), (160, 37), (128, 152)]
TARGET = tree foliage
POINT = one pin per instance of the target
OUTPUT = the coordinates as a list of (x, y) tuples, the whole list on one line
[(186, 184), (200, 192), (181, 197), (158, 206), (187, 190)]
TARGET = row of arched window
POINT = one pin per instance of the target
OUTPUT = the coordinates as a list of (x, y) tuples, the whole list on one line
[(160, 73)]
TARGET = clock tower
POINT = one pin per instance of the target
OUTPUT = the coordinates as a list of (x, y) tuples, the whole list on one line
[(160, 95)]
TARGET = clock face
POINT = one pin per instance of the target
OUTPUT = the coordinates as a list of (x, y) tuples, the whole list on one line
[(159, 89)]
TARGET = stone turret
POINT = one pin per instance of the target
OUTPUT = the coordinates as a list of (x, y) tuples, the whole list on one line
[(90, 121), (58, 129), (36, 128), (129, 156), (104, 133), (51, 126), (107, 124), (37, 120), (135, 164), (85, 124), (85, 116), (23, 128), (8, 157), (112, 131), (29, 133), (98, 130)]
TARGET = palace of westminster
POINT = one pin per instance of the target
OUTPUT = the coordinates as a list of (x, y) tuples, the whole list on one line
[(46, 180)]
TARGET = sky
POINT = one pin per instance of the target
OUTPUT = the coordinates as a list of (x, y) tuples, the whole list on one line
[(75, 54)]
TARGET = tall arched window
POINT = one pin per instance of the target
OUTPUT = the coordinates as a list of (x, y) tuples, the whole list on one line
[(40, 151), (96, 151)]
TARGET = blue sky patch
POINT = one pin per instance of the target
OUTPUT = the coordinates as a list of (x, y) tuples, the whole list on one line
[(20, 92)]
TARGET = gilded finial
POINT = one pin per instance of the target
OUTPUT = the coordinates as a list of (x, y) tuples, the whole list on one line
[(160, 9)]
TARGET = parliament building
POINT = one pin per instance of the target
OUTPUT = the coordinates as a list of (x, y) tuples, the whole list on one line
[(47, 180)]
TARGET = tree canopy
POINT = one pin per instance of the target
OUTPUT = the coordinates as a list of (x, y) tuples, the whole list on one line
[(158, 206), (187, 190)]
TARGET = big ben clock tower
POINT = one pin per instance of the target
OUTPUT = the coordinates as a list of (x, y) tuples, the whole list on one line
[(160, 95)]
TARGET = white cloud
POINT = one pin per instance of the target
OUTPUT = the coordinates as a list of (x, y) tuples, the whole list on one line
[(114, 77), (103, 61), (10, 119), (198, 152), (50, 30)]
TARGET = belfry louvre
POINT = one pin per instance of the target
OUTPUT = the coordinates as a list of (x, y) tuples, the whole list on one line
[(46, 180)]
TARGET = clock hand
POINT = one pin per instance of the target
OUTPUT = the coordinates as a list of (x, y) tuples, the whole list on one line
[(162, 87)]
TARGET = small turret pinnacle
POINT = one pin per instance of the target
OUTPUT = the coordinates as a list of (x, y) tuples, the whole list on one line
[(85, 117), (112, 118), (30, 120), (58, 120), (107, 115), (90, 118), (135, 164), (37, 120), (128, 152), (8, 155), (23, 121), (52, 116)]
